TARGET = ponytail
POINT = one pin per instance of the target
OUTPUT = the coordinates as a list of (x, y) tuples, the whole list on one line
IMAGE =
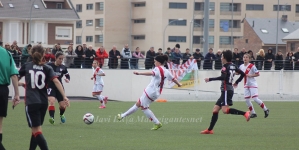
[(37, 53)]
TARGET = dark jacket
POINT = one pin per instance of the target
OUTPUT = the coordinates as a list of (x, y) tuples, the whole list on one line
[(88, 59), (54, 51), (288, 64), (209, 58), (278, 62), (235, 56), (149, 59), (296, 55), (79, 59), (113, 60), (268, 64), (218, 63), (259, 62), (186, 57), (176, 58)]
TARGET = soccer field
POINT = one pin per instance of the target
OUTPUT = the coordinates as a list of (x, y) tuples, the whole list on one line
[(182, 123)]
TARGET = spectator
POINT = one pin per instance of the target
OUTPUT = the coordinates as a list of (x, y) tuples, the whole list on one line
[(15, 46), (149, 60), (269, 57), (241, 54), (289, 61), (135, 58), (56, 49), (70, 54), (84, 47), (279, 61), (187, 56), (25, 53), (159, 53), (176, 56), (218, 63), (296, 59), (251, 56), (126, 55), (168, 53), (199, 57), (79, 60), (209, 58), (176, 46), (49, 57), (101, 54), (236, 57), (12, 52), (114, 55), (90, 55), (260, 58)]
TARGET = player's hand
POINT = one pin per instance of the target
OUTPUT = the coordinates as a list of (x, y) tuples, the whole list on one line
[(248, 75), (91, 78), (15, 101), (67, 80), (137, 73), (179, 85), (235, 85), (67, 102), (207, 80)]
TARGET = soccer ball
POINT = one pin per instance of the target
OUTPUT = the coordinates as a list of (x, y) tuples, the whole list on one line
[(88, 118)]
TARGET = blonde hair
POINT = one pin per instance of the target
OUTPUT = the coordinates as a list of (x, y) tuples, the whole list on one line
[(261, 52)]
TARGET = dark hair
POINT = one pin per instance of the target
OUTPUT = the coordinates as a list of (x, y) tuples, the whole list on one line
[(29, 45), (227, 55), (177, 46), (37, 53), (168, 48), (161, 58), (58, 54), (160, 49)]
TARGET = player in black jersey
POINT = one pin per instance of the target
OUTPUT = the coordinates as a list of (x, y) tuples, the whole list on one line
[(37, 75), (227, 90), (53, 93)]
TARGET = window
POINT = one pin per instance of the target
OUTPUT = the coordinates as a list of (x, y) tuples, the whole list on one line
[(175, 22), (63, 33), (293, 46), (139, 21), (211, 39), (89, 6), (254, 7), (200, 23), (100, 6), (78, 39), (58, 5), (79, 24), (297, 8), (89, 39), (236, 23), (139, 5), (99, 38), (79, 7), (199, 6), (228, 7), (200, 39), (139, 37), (225, 40), (246, 41), (11, 5), (178, 5), (264, 31), (177, 39), (101, 22), (89, 22), (36, 6), (285, 30), (282, 8)]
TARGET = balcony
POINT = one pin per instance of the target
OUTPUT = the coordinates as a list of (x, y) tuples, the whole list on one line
[(200, 29), (237, 13), (231, 29), (99, 8)]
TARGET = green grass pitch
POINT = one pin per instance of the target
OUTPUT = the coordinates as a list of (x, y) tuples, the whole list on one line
[(182, 123)]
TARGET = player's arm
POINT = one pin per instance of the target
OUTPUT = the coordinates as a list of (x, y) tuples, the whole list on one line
[(67, 75), (256, 72), (242, 74), (144, 73), (100, 73), (222, 77)]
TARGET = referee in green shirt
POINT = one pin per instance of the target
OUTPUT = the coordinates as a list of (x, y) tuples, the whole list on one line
[(8, 71)]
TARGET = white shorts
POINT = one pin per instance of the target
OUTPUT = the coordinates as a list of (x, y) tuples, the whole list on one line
[(97, 88), (250, 92), (145, 101)]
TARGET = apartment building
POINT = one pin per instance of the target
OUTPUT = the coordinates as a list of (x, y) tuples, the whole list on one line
[(163, 23)]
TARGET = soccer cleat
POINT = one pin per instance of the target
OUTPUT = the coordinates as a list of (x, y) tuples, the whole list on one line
[(206, 131), (253, 116), (102, 107), (267, 113), (157, 126), (52, 121), (62, 119), (247, 116), (119, 117), (105, 99)]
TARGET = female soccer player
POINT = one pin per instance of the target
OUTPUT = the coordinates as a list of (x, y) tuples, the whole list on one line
[(98, 84), (227, 90), (152, 91), (37, 75), (250, 86), (53, 93)]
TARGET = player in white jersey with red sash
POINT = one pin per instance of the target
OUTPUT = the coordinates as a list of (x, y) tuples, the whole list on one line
[(251, 87), (152, 91), (98, 84)]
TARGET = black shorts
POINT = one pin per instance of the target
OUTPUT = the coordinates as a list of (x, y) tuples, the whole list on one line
[(225, 99), (55, 93), (3, 100), (35, 114)]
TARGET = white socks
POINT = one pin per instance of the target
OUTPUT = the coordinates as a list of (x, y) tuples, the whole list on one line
[(258, 101), (151, 116), (249, 105), (101, 98), (133, 109)]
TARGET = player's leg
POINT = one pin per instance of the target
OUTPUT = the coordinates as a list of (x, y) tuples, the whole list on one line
[(4, 92), (62, 107), (51, 100), (130, 111), (247, 96), (35, 114), (229, 102), (214, 118), (254, 92), (103, 98), (1, 145), (96, 92)]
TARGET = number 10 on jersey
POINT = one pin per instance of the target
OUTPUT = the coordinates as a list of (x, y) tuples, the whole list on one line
[(34, 76)]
